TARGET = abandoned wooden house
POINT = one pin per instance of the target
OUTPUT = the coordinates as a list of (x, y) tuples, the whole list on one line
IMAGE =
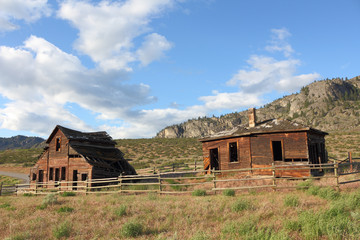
[(77, 156), (275, 141)]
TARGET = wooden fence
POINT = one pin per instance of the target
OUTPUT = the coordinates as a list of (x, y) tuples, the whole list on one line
[(335, 175)]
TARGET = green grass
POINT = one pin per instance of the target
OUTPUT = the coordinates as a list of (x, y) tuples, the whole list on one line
[(6, 180), (27, 157), (132, 229), (199, 192)]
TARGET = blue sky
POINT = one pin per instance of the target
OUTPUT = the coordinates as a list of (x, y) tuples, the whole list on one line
[(134, 67)]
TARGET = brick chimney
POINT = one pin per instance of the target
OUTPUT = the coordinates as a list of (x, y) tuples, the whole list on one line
[(252, 117)]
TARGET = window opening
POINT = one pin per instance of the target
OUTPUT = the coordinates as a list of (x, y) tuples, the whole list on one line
[(34, 176), (51, 174), (58, 144), (233, 155), (75, 172), (57, 173), (63, 173), (277, 150), (83, 177), (41, 175)]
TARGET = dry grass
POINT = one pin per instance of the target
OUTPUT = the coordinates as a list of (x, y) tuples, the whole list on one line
[(160, 217)]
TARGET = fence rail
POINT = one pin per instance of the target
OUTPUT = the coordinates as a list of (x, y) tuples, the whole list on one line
[(187, 181)]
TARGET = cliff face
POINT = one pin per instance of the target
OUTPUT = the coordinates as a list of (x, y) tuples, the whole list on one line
[(327, 105)]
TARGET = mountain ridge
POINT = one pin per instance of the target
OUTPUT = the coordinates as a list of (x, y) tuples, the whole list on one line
[(20, 142), (328, 105)]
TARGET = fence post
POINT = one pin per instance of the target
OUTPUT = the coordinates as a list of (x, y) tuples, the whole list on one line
[(159, 178), (336, 172), (214, 180), (35, 187), (87, 185), (1, 184), (120, 182), (273, 176), (351, 162), (195, 165), (173, 167)]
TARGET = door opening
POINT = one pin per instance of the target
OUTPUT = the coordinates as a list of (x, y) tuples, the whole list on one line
[(277, 150), (75, 178), (214, 159)]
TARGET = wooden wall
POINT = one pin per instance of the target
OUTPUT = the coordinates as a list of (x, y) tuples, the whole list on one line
[(256, 150), (243, 151), (59, 160)]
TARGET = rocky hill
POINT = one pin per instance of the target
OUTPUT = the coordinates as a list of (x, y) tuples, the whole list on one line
[(331, 104), (20, 142)]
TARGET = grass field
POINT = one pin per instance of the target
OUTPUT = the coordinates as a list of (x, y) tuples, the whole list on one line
[(313, 213)]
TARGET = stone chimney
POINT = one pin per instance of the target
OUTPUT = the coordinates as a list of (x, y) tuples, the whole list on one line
[(252, 117)]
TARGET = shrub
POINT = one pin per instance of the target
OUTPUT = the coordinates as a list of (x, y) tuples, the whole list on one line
[(304, 185), (68, 194), (120, 211), (132, 229), (50, 199), (229, 192), (241, 205), (328, 193), (65, 209), (291, 201), (28, 195), (199, 192), (313, 190), (62, 230)]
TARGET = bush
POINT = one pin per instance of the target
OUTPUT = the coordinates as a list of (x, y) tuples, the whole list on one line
[(291, 201), (241, 205), (229, 192), (328, 193), (304, 185), (120, 211), (68, 194), (65, 209), (132, 229), (50, 199), (28, 195), (62, 230), (199, 192)]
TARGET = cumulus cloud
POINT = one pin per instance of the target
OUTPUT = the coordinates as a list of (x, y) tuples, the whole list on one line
[(49, 79), (107, 31), (152, 48), (27, 10), (279, 42)]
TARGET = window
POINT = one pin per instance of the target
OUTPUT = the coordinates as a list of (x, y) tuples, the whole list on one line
[(57, 171), (277, 150), (34, 176), (233, 152), (83, 177), (51, 174), (63, 173), (58, 144)]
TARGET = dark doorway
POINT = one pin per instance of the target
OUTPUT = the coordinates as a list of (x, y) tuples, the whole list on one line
[(75, 178), (41, 175), (277, 150), (214, 159), (57, 173)]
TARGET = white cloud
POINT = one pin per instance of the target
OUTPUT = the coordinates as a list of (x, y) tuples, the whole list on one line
[(39, 80), (27, 10), (107, 31), (153, 48), (279, 42)]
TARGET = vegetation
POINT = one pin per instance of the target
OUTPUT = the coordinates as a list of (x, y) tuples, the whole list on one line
[(9, 180), (26, 157), (303, 214)]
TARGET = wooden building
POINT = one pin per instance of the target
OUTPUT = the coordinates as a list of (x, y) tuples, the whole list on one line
[(77, 156), (277, 141)]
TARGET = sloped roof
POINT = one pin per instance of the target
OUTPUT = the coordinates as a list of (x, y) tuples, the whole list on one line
[(268, 126), (98, 149), (95, 137)]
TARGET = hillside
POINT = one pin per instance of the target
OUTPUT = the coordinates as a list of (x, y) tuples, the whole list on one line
[(20, 142), (330, 105)]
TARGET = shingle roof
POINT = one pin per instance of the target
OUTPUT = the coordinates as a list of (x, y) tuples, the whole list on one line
[(268, 126)]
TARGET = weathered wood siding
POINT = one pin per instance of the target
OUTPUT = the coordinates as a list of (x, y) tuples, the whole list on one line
[(62, 160), (294, 146), (243, 152)]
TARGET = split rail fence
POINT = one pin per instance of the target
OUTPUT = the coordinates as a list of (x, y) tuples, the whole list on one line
[(339, 173)]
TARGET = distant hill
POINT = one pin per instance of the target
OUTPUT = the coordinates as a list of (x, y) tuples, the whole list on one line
[(329, 105), (21, 142)]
